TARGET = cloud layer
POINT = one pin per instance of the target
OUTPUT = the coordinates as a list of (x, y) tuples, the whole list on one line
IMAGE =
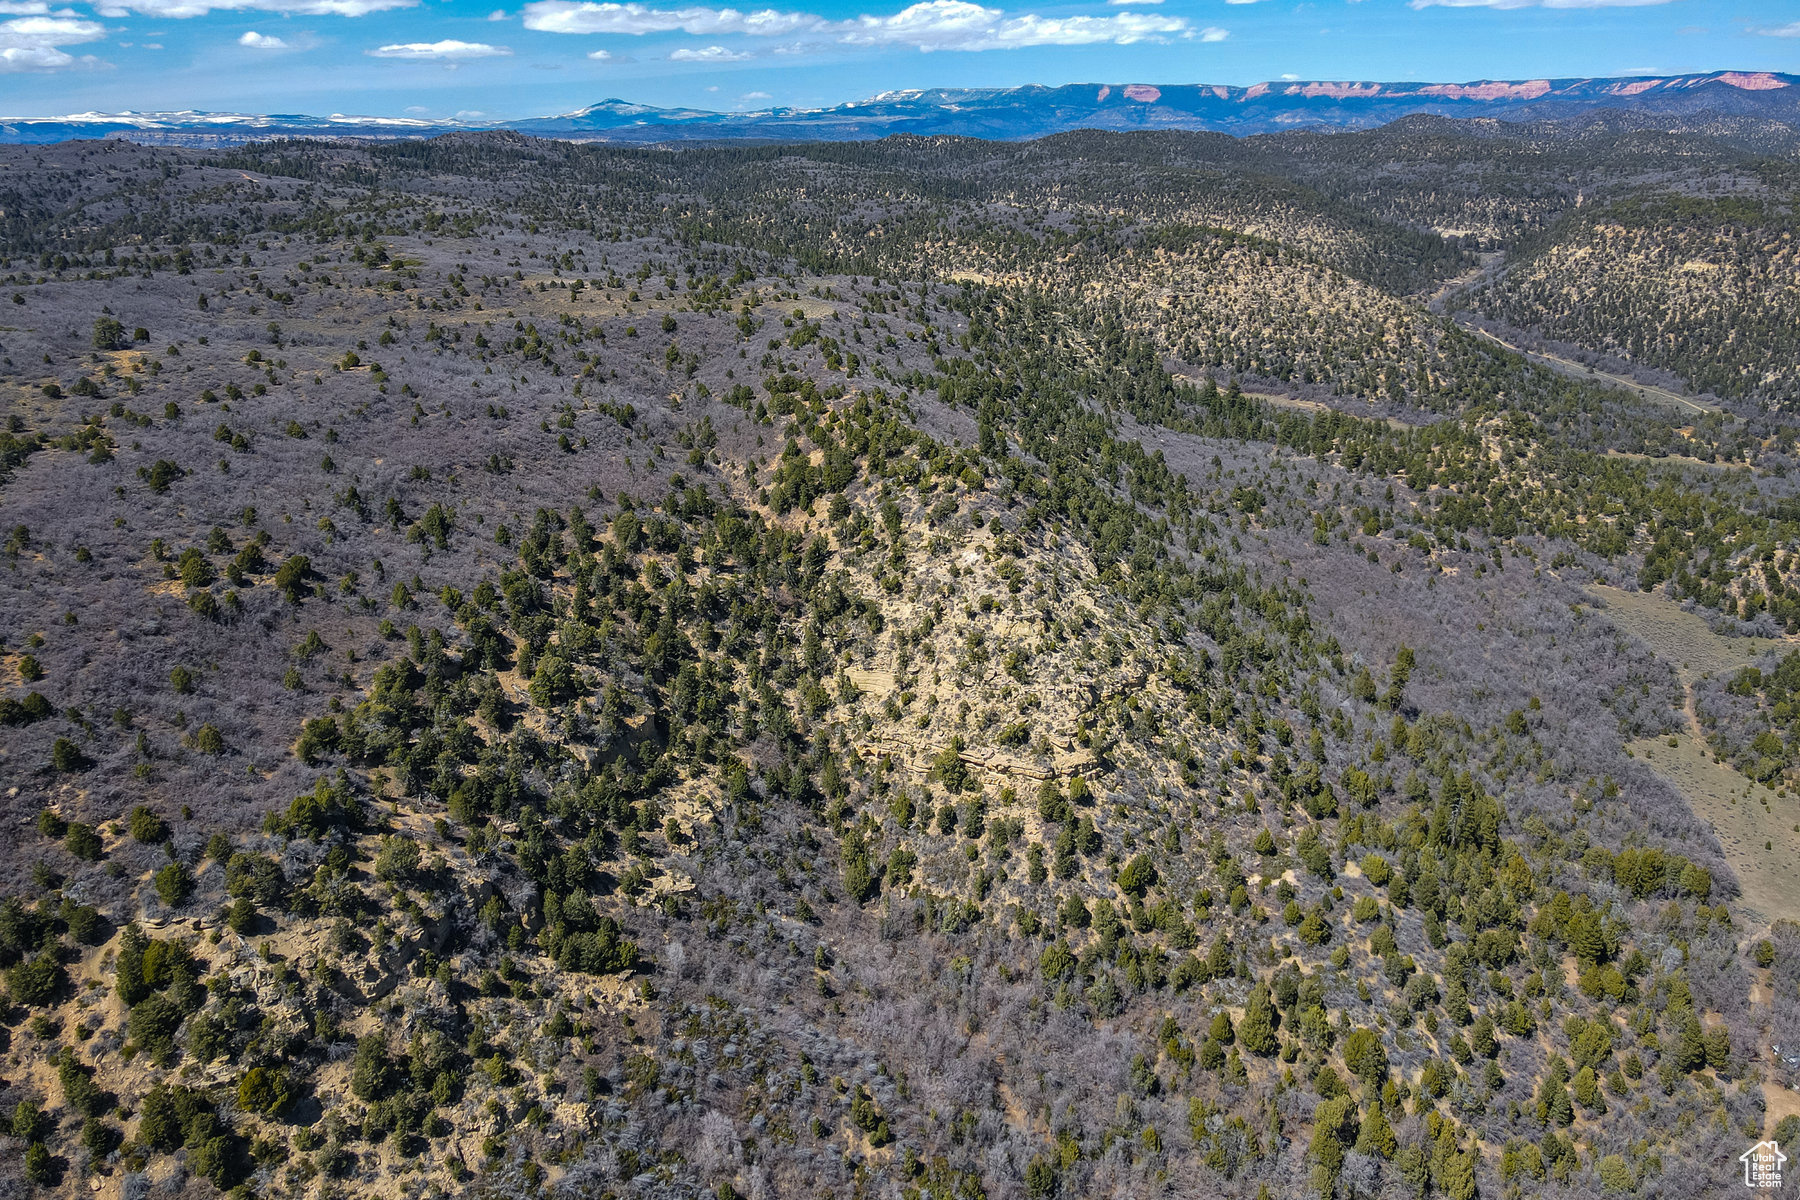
[(707, 54), (35, 43), (448, 50), (577, 16), (178, 9), (928, 25)]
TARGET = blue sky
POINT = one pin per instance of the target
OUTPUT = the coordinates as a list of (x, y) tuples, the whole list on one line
[(440, 58)]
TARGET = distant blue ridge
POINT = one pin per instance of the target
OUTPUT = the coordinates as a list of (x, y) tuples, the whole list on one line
[(1010, 113)]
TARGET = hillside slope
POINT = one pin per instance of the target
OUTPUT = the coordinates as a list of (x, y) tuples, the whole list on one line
[(560, 670)]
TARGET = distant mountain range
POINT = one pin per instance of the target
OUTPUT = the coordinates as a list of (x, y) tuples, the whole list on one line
[(1011, 113)]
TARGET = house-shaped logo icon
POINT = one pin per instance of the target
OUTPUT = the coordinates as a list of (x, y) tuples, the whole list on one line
[(1762, 1165)]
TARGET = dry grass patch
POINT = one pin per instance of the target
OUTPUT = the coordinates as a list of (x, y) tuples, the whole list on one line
[(1759, 843)]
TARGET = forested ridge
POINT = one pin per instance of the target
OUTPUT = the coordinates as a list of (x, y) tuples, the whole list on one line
[(924, 669)]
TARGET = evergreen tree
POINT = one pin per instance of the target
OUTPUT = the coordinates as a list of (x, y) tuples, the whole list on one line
[(1481, 1037), (128, 969), (1690, 1050), (1587, 1091), (1256, 1031), (1376, 1136)]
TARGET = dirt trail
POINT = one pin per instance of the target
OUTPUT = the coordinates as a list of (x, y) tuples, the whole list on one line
[(1314, 406), (1490, 263), (1758, 830), (1755, 827), (1644, 391), (1681, 638)]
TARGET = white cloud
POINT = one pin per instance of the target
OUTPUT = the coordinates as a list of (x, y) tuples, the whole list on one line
[(754, 96), (1212, 33), (260, 41), (417, 110), (23, 8), (60, 30), (1141, 3), (448, 49), (1792, 31), (499, 14), (198, 8), (600, 55), (707, 54), (584, 16), (34, 43), (929, 25), (1509, 4), (32, 58), (960, 25)]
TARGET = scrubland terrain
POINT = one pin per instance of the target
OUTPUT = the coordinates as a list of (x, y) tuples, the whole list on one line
[(922, 669)]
